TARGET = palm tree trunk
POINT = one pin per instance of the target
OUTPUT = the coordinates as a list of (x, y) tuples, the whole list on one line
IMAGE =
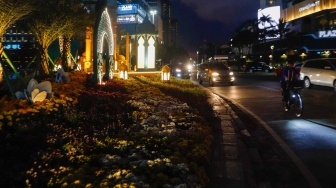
[(44, 62), (67, 49), (1, 49), (65, 53)]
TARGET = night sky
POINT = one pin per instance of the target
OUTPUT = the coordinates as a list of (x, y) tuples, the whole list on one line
[(210, 20)]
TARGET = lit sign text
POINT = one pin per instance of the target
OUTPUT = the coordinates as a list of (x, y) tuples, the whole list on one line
[(309, 6), (327, 34)]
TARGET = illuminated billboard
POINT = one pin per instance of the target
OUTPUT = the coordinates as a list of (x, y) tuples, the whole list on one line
[(131, 9), (127, 9), (129, 19), (271, 13)]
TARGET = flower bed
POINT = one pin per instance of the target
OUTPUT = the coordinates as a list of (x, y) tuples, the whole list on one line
[(127, 133)]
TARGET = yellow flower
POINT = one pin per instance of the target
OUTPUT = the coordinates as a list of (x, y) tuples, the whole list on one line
[(9, 118), (65, 184), (1, 117), (77, 182)]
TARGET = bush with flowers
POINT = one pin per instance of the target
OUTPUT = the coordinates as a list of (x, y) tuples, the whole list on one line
[(126, 133)]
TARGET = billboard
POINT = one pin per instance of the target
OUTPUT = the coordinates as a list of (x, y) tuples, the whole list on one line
[(131, 9), (273, 13), (127, 9), (129, 19)]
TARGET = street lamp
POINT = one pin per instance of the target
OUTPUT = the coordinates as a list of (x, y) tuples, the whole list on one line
[(272, 47), (284, 57), (153, 13), (197, 58), (303, 55)]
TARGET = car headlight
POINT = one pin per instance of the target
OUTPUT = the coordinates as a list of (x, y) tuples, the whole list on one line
[(231, 73), (178, 70), (189, 67), (215, 74)]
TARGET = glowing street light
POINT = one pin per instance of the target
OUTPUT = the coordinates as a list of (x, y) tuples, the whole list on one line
[(303, 55), (153, 13)]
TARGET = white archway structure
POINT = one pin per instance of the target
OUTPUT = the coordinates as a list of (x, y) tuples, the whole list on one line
[(103, 31)]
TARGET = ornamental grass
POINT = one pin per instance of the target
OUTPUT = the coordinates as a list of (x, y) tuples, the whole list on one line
[(127, 133)]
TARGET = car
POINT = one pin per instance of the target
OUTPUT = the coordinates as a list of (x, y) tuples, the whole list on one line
[(320, 71), (180, 71), (257, 67), (214, 72), (279, 70)]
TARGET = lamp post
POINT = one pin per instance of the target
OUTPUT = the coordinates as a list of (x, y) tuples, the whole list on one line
[(153, 12), (197, 58), (284, 57), (303, 55), (272, 47)]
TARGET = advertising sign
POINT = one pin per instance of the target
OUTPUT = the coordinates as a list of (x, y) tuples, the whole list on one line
[(129, 19), (127, 9), (126, 19), (273, 13), (327, 34), (142, 12)]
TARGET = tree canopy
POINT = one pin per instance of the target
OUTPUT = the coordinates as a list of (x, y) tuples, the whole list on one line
[(13, 10)]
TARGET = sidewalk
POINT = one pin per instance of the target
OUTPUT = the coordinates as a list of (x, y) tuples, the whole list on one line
[(230, 158)]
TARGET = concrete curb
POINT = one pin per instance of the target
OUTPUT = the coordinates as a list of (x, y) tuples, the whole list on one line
[(233, 150)]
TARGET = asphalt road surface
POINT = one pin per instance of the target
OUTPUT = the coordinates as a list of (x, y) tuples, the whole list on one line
[(310, 141)]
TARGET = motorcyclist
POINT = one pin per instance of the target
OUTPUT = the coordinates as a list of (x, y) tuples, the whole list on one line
[(289, 76)]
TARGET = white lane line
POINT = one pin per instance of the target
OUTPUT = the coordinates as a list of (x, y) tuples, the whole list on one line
[(313, 182)]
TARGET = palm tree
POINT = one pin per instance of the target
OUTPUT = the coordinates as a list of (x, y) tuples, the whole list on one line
[(282, 29), (77, 18), (47, 24), (246, 35), (10, 12), (263, 20)]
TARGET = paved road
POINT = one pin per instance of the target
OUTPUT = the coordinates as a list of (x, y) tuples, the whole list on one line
[(309, 141)]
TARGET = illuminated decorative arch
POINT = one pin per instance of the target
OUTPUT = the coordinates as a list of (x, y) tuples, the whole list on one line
[(103, 31), (146, 51)]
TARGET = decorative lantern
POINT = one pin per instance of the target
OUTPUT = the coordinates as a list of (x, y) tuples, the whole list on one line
[(123, 73), (165, 73)]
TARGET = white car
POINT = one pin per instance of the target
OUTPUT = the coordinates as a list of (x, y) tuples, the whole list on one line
[(321, 71)]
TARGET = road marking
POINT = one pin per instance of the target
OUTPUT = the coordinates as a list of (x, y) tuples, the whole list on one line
[(313, 182)]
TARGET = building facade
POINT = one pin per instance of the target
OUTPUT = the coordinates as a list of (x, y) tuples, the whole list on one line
[(311, 30), (316, 21)]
